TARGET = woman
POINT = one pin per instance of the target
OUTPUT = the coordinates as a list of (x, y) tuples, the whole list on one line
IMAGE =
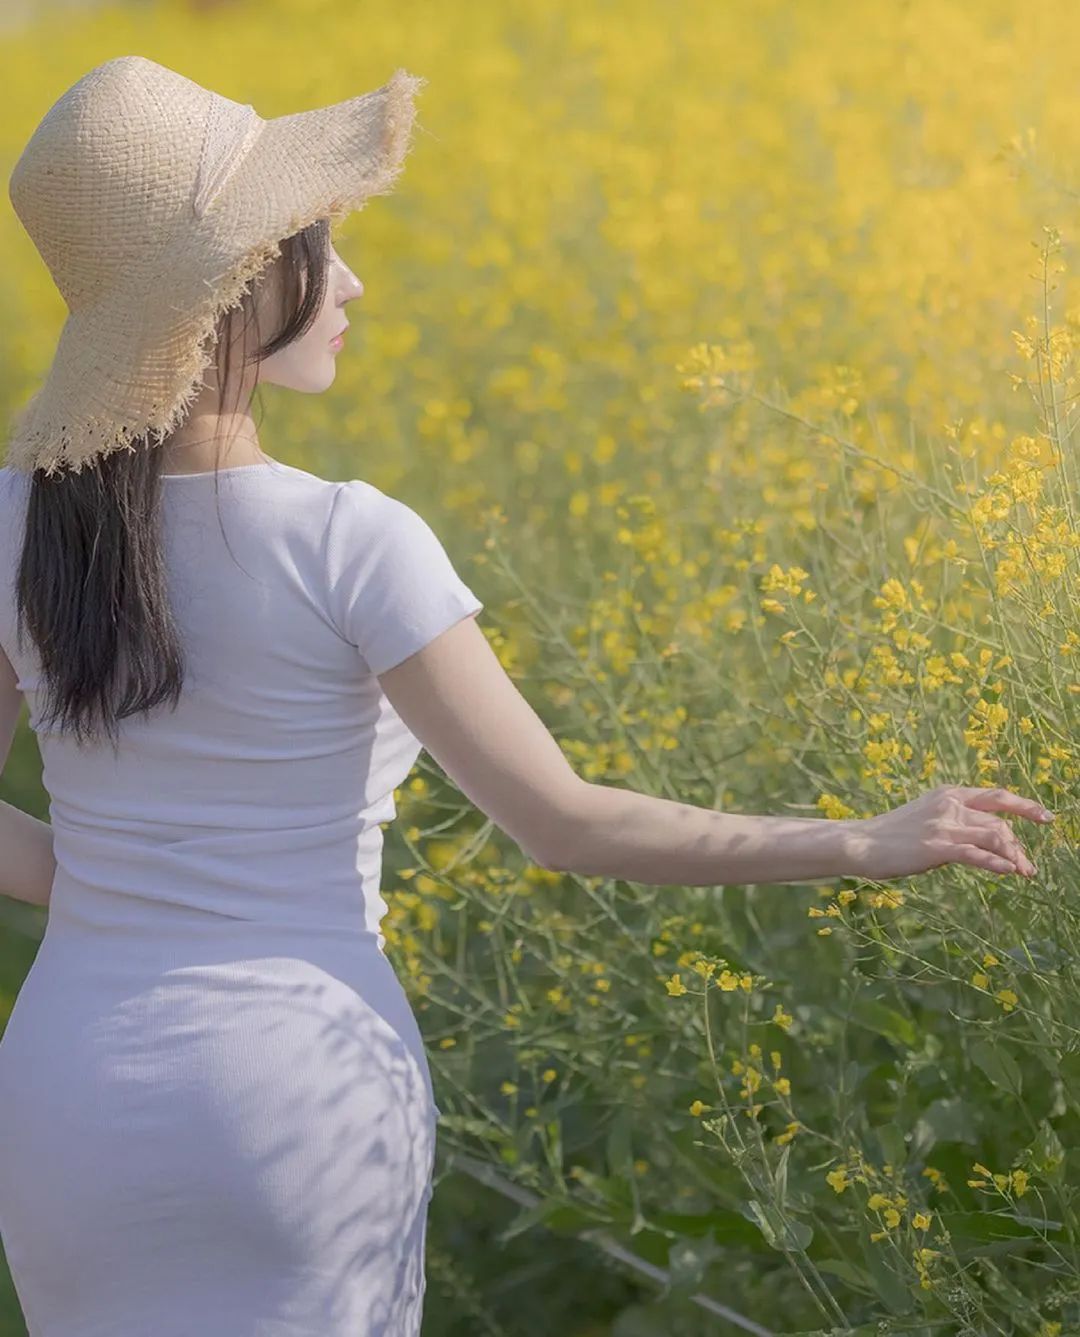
[(218, 1115)]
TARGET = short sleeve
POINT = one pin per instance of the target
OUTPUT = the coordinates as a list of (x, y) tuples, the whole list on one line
[(393, 588)]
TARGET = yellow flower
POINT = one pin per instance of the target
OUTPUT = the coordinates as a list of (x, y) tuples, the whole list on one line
[(888, 900), (1007, 999), (892, 1217), (921, 1220), (893, 595), (788, 1132), (783, 1086), (790, 582), (697, 1108), (837, 1179), (783, 1019), (675, 986), (834, 808), (1019, 1182), (877, 1201)]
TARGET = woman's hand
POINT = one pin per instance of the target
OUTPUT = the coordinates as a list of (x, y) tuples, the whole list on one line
[(950, 824)]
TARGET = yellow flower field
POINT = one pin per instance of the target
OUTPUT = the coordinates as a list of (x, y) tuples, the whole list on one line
[(732, 351)]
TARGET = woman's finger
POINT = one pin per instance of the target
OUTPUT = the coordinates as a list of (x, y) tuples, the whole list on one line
[(980, 858), (1005, 844), (999, 839), (1001, 800), (974, 820)]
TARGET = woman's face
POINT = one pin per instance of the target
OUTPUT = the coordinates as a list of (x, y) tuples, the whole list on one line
[(307, 364)]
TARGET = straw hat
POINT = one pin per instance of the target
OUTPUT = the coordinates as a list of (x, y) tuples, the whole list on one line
[(154, 202)]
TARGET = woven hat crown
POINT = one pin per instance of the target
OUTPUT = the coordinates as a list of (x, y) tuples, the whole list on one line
[(111, 170), (154, 202)]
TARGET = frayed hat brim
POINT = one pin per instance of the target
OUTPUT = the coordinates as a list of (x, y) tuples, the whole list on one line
[(129, 364)]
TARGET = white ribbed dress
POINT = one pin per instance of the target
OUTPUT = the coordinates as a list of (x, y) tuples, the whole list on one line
[(216, 1114)]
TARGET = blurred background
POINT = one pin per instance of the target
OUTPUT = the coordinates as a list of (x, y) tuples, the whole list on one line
[(714, 339)]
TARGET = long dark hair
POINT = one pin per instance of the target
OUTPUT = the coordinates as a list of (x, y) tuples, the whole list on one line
[(91, 585)]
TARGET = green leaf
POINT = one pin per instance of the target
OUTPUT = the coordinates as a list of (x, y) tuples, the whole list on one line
[(893, 1025), (856, 1277), (998, 1064), (780, 1229), (1046, 1050), (558, 1215), (979, 1233), (1047, 1152), (1043, 954), (947, 1120), (781, 1174), (890, 1136), (765, 1224), (996, 1225), (726, 1226), (852, 1075), (893, 1292)]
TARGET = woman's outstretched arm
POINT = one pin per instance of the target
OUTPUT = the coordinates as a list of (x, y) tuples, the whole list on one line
[(457, 699), (625, 834)]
